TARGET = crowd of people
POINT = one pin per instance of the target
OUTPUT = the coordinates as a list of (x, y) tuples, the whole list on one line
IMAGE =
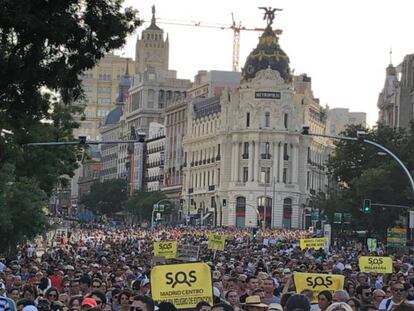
[(110, 270)]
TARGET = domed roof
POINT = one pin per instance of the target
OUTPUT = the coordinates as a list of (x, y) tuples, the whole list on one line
[(267, 54), (114, 115)]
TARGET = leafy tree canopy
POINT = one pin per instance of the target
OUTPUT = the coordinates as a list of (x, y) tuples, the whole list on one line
[(106, 198), (140, 204), (363, 172), (45, 46)]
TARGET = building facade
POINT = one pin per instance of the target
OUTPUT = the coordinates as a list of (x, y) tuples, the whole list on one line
[(154, 163), (213, 83), (340, 118), (245, 160), (396, 100), (114, 155), (100, 85)]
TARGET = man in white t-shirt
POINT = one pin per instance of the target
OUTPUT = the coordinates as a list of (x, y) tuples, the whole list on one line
[(399, 293)]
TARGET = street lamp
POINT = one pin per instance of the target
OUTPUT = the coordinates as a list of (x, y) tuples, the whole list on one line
[(255, 209), (361, 138)]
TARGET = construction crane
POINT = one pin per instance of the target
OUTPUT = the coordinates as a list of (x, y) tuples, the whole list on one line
[(236, 27)]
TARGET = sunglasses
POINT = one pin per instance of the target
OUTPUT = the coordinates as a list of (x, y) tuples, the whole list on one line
[(96, 286), (135, 309), (367, 294), (52, 295), (399, 290)]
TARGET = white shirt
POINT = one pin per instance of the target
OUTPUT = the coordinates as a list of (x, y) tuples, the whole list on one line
[(383, 304)]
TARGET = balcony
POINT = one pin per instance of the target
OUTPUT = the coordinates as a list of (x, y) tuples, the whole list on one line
[(190, 190), (265, 156), (204, 161), (211, 188), (245, 156), (218, 157), (285, 157), (192, 164), (208, 161)]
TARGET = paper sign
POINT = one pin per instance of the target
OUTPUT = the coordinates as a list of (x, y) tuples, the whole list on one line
[(166, 249), (184, 285), (317, 282), (315, 243), (216, 241), (375, 264)]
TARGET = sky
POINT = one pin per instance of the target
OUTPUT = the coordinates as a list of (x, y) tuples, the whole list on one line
[(343, 45)]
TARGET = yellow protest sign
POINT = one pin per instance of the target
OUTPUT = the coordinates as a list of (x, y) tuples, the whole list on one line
[(317, 282), (315, 243), (375, 264), (216, 241), (184, 285), (166, 249)]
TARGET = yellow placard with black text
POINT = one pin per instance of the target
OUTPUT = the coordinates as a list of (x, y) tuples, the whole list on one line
[(375, 264), (216, 241), (166, 249), (315, 243), (317, 282), (184, 285)]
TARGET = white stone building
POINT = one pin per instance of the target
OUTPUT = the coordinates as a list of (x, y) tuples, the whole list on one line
[(245, 159), (154, 164), (340, 118)]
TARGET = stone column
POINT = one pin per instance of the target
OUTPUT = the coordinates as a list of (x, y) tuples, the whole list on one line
[(237, 162), (256, 161), (250, 161), (281, 162), (295, 163), (233, 155), (275, 157)]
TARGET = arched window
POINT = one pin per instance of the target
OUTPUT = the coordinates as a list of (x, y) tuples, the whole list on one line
[(287, 213), (241, 212)]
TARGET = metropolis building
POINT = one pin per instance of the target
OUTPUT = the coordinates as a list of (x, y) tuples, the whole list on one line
[(245, 160)]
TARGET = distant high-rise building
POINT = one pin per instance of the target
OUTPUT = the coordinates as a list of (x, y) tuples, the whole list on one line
[(340, 118), (100, 85), (152, 50), (154, 87), (396, 100), (113, 157)]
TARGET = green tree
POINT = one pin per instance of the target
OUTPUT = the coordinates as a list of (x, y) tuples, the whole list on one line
[(44, 49), (363, 173), (22, 209), (106, 198), (140, 203)]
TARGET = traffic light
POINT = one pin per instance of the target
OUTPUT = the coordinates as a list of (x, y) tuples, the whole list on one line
[(366, 206), (82, 140), (254, 234)]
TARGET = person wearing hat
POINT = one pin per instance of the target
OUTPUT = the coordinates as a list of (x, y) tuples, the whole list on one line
[(88, 303), (254, 303), (275, 307), (144, 287)]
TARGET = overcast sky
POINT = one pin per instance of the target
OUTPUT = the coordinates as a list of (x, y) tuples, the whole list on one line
[(343, 45)]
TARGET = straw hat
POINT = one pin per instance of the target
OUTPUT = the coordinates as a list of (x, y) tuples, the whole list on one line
[(254, 301)]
